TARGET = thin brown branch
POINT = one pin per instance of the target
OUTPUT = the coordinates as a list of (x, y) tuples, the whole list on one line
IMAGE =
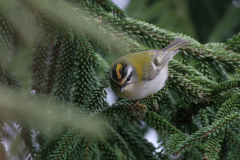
[(205, 134), (64, 147), (231, 137), (89, 141), (87, 51)]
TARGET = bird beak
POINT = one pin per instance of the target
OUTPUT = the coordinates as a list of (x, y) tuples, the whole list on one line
[(122, 87)]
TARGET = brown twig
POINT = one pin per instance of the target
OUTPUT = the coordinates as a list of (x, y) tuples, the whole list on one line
[(89, 141), (205, 134)]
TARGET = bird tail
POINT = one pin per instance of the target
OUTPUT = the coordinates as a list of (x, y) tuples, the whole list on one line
[(166, 54), (175, 45)]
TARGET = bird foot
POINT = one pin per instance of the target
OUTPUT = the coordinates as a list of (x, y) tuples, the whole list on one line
[(137, 104)]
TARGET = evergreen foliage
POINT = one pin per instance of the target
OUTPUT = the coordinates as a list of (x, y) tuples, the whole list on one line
[(196, 114), (64, 74)]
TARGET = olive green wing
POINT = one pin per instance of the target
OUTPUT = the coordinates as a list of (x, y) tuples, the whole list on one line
[(151, 70), (161, 58)]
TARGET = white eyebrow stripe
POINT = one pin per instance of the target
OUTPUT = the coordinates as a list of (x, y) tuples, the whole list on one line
[(130, 69)]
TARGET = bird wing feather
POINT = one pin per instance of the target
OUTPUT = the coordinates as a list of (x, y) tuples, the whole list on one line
[(161, 58)]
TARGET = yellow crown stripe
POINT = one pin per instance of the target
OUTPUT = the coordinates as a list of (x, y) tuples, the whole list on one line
[(118, 69)]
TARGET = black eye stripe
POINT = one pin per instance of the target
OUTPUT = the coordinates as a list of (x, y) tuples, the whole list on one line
[(115, 83), (114, 74)]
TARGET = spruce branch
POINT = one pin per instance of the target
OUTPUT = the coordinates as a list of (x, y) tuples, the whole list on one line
[(104, 64), (40, 60), (218, 69), (151, 102), (88, 23), (115, 110), (66, 14), (224, 86), (194, 75), (88, 148), (215, 46), (234, 138), (68, 141), (206, 131), (87, 48), (220, 72), (213, 146), (114, 138), (203, 117), (110, 34), (84, 79), (114, 36), (109, 6), (101, 46), (160, 124), (144, 31), (222, 55), (46, 149), (197, 152), (233, 43), (26, 135), (160, 94), (221, 97), (147, 32), (160, 36), (64, 70), (73, 144), (7, 79), (96, 99), (52, 68), (65, 56), (225, 149), (205, 69), (129, 45), (39, 138), (230, 106), (107, 151), (140, 147), (184, 84), (105, 80), (174, 140), (48, 28), (6, 35)]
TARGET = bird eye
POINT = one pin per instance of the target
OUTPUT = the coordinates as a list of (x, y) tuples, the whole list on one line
[(128, 78)]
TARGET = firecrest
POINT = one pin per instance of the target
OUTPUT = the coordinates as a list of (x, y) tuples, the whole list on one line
[(138, 75)]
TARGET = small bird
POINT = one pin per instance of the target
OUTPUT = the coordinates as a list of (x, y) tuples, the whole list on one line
[(138, 75)]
